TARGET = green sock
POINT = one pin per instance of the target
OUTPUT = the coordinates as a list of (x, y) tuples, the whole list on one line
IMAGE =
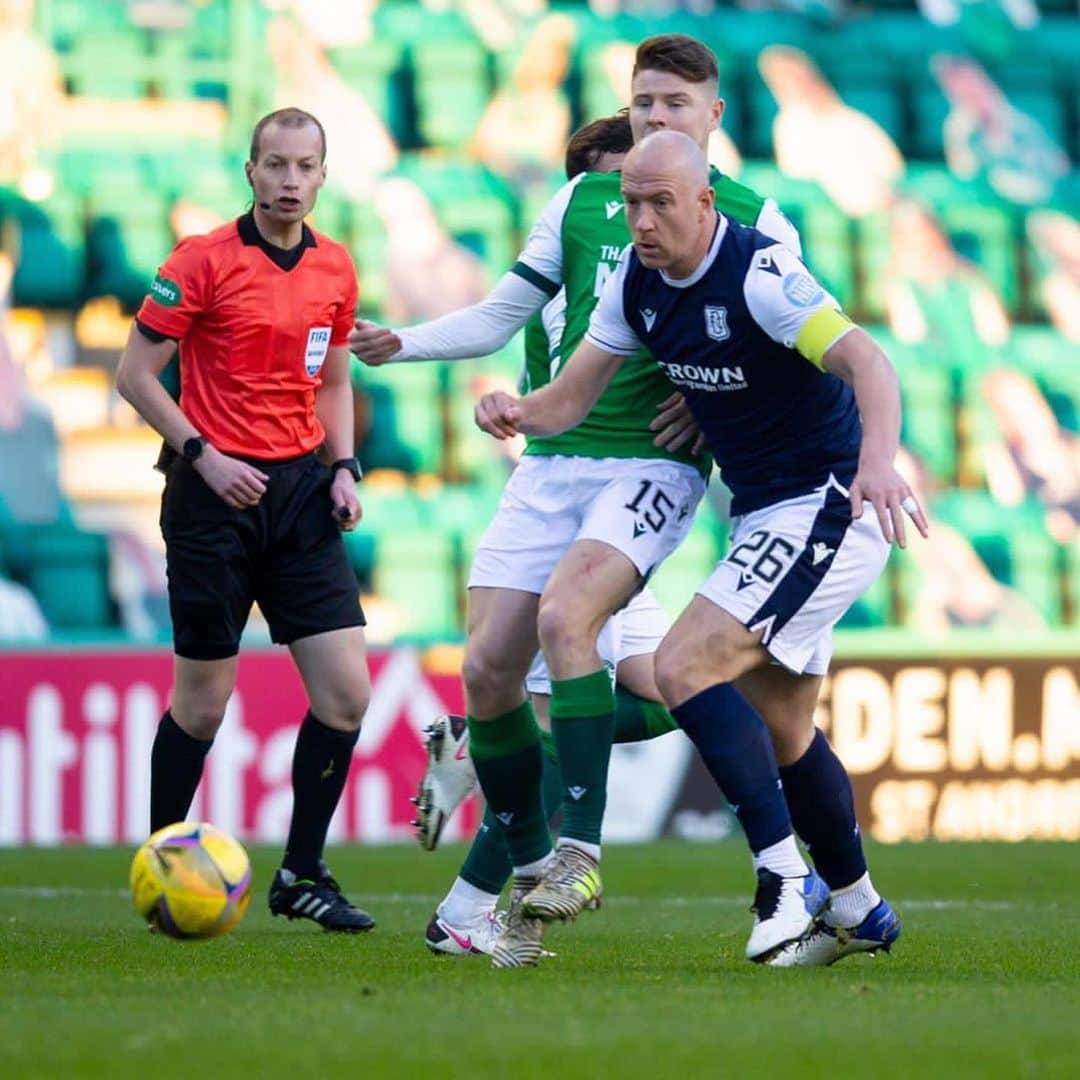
[(509, 765), (638, 718), (583, 723), (487, 865)]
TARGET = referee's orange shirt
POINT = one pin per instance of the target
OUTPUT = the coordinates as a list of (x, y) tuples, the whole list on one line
[(253, 336)]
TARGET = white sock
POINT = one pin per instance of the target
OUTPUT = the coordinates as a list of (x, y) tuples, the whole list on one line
[(465, 904), (851, 904), (592, 850), (782, 858), (534, 869)]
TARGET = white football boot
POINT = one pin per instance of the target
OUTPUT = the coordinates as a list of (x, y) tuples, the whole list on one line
[(447, 780), (478, 937), (786, 910)]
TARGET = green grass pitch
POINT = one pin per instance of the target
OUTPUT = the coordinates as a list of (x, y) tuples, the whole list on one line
[(984, 982)]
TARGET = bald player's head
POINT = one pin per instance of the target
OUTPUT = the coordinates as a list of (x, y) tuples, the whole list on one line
[(669, 202), (669, 153)]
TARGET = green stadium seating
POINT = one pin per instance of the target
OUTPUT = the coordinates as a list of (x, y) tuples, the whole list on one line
[(825, 231), (1013, 544), (474, 455), (51, 270), (417, 572), (928, 394), (452, 86), (108, 64), (929, 110), (372, 69), (598, 96), (1042, 353), (417, 409), (1072, 582), (69, 577)]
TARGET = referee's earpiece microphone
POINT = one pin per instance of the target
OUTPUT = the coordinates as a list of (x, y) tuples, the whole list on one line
[(264, 206)]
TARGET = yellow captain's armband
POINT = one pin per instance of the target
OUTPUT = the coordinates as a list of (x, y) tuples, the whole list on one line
[(823, 328)]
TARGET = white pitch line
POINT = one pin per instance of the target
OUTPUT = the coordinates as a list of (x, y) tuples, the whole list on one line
[(72, 892)]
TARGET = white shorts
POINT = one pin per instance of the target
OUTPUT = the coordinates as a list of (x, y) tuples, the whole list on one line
[(635, 631), (643, 507), (794, 568)]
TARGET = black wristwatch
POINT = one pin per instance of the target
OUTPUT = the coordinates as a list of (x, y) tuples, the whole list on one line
[(350, 464), (193, 448)]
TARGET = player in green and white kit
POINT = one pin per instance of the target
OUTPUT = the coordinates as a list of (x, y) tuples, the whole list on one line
[(584, 520), (466, 920)]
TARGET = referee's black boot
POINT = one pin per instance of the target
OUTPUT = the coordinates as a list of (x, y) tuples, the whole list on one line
[(318, 899)]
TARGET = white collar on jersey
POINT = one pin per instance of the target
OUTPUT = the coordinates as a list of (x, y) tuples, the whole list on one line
[(710, 255)]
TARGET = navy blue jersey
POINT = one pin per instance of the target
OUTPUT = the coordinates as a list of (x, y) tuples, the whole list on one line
[(776, 424)]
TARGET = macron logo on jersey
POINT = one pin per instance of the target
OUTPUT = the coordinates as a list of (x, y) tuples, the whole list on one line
[(612, 207), (698, 377), (648, 316)]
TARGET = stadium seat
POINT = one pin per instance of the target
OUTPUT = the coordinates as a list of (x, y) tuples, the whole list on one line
[(452, 86), (108, 64), (372, 69), (475, 457), (417, 573), (69, 577), (1014, 546), (928, 393), (1042, 353), (1072, 582), (51, 271), (929, 110), (416, 404)]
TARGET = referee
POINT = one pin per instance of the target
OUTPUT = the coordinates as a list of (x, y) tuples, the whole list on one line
[(260, 309)]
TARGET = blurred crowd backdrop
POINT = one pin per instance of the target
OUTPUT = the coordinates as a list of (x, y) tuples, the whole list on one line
[(927, 151)]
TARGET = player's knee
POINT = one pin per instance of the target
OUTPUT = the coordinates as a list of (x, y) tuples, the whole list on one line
[(684, 669), (563, 631), (199, 716), (484, 677), (342, 705), (199, 700), (671, 675)]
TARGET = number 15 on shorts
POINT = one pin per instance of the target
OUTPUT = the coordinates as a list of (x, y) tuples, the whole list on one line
[(652, 508)]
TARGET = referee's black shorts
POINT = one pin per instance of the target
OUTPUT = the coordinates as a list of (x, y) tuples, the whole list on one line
[(286, 554)]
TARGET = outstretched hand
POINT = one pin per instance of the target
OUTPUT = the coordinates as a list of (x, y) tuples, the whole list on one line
[(499, 414), (879, 484), (373, 344)]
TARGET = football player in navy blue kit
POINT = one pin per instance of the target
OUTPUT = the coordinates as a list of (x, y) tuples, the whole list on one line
[(801, 411)]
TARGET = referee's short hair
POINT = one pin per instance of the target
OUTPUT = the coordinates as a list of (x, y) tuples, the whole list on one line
[(608, 135), (290, 118)]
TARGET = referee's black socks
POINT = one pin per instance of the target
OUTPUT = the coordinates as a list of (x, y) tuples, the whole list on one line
[(176, 765), (320, 767)]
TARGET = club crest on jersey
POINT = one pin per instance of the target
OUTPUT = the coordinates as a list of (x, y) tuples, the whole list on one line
[(318, 341), (716, 323), (802, 290)]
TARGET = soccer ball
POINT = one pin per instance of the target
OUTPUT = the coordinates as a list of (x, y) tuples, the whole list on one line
[(191, 880)]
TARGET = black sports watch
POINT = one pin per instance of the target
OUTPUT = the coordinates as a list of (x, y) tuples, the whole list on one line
[(193, 448), (350, 464)]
